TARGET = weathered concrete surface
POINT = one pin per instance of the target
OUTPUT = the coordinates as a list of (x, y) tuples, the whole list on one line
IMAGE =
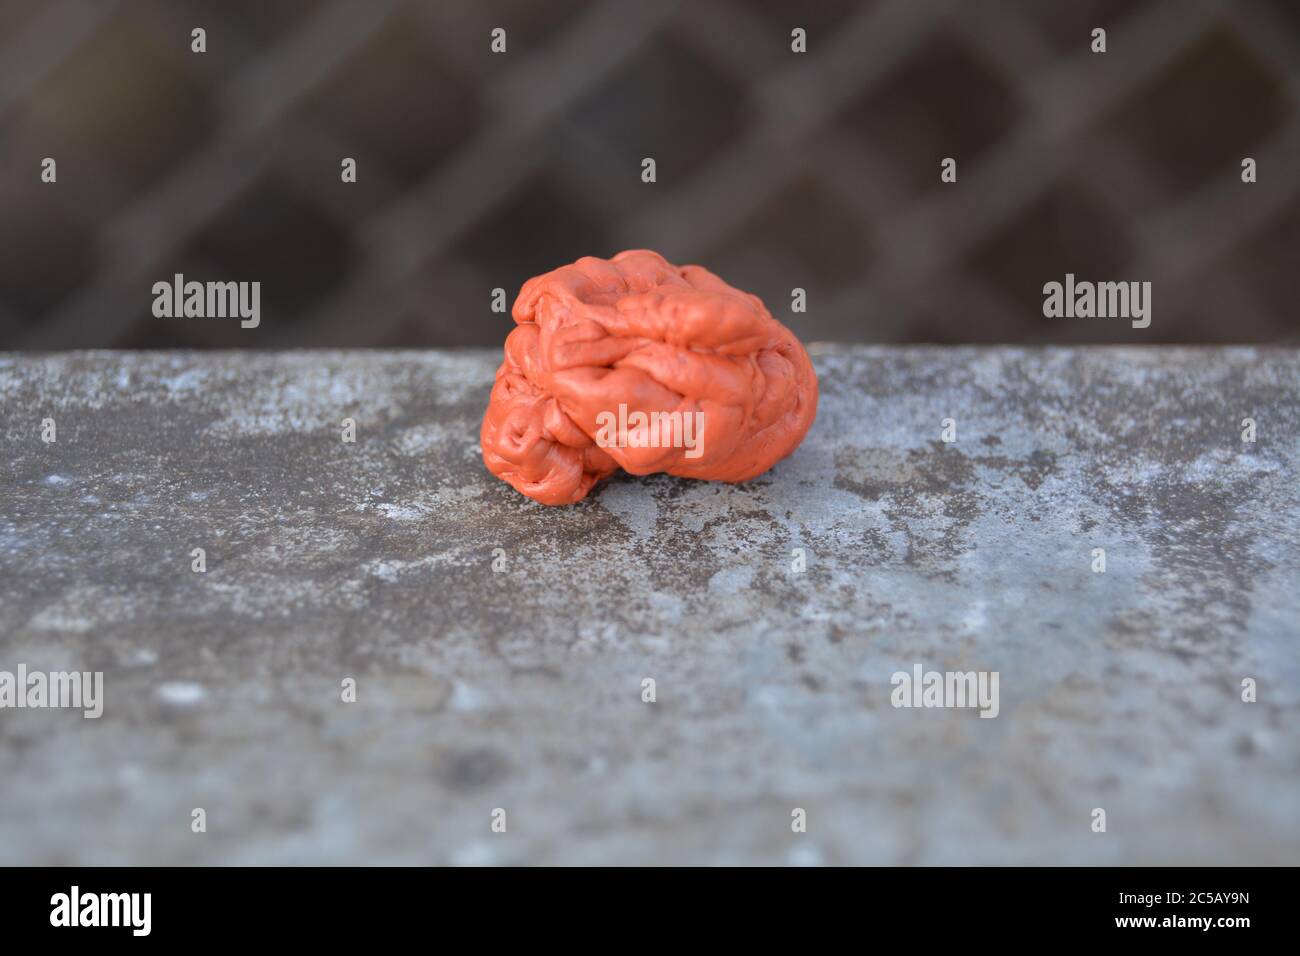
[(522, 689)]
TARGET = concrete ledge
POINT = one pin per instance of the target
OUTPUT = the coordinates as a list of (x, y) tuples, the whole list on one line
[(522, 689)]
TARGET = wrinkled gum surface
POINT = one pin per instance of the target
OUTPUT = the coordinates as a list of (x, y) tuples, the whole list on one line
[(639, 331)]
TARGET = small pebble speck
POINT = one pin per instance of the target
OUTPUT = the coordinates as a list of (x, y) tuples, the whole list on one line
[(181, 693)]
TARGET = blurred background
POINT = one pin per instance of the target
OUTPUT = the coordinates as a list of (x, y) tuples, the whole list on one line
[(775, 169)]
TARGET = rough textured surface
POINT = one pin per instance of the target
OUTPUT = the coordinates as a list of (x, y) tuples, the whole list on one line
[(522, 689)]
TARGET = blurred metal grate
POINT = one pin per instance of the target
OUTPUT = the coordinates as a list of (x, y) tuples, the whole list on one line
[(775, 169)]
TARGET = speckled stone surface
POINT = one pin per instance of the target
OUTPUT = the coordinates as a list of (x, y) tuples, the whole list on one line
[(522, 689)]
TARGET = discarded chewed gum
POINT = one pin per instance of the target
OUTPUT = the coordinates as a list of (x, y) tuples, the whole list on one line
[(638, 364)]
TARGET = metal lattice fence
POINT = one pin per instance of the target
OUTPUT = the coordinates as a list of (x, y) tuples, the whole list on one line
[(775, 169)]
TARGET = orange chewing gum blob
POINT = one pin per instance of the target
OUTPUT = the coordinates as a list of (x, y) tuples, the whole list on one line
[(638, 364)]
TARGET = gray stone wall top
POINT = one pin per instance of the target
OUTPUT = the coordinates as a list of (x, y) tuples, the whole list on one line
[(521, 688)]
